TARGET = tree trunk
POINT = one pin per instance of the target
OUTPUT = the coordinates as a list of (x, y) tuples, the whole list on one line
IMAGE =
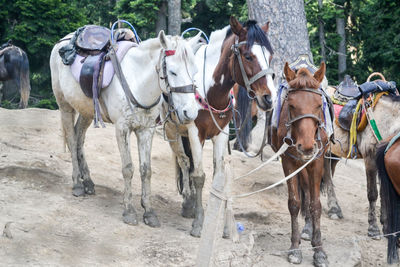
[(174, 17), (161, 23), (340, 27), (321, 32), (288, 29)]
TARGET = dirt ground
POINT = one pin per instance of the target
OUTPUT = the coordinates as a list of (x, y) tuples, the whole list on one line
[(49, 226)]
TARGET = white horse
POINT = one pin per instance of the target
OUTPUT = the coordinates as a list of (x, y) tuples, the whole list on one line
[(214, 83), (149, 71)]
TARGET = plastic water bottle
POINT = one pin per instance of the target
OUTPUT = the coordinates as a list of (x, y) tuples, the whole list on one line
[(239, 227)]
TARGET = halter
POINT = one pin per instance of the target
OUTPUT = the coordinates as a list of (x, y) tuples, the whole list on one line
[(186, 89), (260, 74), (288, 124)]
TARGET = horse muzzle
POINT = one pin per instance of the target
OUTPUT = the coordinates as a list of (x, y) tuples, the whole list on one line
[(264, 102), (306, 153)]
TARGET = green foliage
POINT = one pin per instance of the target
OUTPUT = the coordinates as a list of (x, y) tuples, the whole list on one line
[(47, 103), (8, 105)]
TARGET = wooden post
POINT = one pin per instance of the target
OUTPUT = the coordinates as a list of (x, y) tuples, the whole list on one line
[(213, 225)]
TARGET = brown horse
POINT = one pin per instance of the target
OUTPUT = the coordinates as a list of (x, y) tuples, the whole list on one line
[(300, 125), (388, 164), (235, 54)]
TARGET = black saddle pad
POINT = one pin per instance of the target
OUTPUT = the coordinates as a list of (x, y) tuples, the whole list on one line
[(93, 37), (89, 77), (346, 114)]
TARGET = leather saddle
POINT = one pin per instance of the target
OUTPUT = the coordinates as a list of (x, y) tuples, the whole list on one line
[(93, 39)]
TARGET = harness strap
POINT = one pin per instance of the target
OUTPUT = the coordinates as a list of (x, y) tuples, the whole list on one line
[(128, 93), (392, 141)]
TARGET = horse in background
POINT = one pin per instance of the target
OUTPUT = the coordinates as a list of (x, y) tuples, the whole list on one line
[(388, 164), (162, 65), (301, 123), (14, 67), (236, 54)]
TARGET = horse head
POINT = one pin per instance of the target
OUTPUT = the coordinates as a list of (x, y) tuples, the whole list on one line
[(305, 113), (250, 62), (177, 69)]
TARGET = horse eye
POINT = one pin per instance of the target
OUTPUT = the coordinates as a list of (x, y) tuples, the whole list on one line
[(273, 76), (248, 57), (173, 73)]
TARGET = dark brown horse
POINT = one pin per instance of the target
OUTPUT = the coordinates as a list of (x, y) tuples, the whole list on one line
[(300, 125), (236, 54), (388, 164), (14, 66)]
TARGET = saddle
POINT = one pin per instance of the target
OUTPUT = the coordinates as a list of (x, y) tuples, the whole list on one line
[(90, 45), (348, 95)]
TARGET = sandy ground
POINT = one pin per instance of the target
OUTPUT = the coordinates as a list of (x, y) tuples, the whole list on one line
[(49, 226)]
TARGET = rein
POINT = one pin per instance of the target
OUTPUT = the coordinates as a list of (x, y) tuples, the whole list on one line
[(125, 86)]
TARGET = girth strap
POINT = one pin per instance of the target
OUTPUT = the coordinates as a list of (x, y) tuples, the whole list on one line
[(128, 93)]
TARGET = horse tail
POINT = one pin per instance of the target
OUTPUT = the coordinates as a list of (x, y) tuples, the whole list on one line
[(25, 86), (188, 152), (244, 109), (392, 204)]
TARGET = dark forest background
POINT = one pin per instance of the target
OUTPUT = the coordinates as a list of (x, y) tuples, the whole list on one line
[(371, 40)]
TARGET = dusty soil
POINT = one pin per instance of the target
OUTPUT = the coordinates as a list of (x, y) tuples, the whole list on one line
[(49, 226)]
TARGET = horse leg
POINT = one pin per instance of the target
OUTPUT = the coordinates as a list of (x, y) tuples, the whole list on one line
[(81, 127), (197, 177), (370, 168), (294, 255), (306, 233), (334, 210), (182, 165), (144, 142), (67, 120), (25, 86), (315, 176), (122, 134)]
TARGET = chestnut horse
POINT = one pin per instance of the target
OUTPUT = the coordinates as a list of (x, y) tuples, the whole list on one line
[(388, 164), (301, 123), (235, 54)]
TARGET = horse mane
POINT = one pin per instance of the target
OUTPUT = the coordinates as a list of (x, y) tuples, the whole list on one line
[(254, 35), (304, 79)]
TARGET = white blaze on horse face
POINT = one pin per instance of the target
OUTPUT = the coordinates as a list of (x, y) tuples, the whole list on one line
[(262, 54)]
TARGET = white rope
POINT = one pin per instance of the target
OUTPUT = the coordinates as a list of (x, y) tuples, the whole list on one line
[(281, 181), (281, 150)]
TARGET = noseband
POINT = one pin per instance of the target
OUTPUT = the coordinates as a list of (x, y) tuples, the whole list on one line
[(290, 121), (247, 82), (187, 89)]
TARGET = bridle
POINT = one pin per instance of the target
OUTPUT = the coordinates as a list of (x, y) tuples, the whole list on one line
[(248, 82), (167, 93), (288, 138)]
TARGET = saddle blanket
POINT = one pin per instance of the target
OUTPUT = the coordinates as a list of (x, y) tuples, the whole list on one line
[(122, 48), (282, 91)]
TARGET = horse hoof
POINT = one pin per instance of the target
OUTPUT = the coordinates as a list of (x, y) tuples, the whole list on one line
[(373, 231), (187, 213), (78, 190), (150, 219), (130, 218), (196, 231), (335, 213), (88, 185), (295, 257), (320, 259)]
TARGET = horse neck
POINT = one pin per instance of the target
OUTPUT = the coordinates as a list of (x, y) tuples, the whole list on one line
[(139, 67), (218, 94)]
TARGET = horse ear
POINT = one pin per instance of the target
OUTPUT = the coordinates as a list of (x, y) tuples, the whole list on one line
[(289, 73), (319, 74), (163, 39), (235, 25), (194, 42), (265, 27)]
